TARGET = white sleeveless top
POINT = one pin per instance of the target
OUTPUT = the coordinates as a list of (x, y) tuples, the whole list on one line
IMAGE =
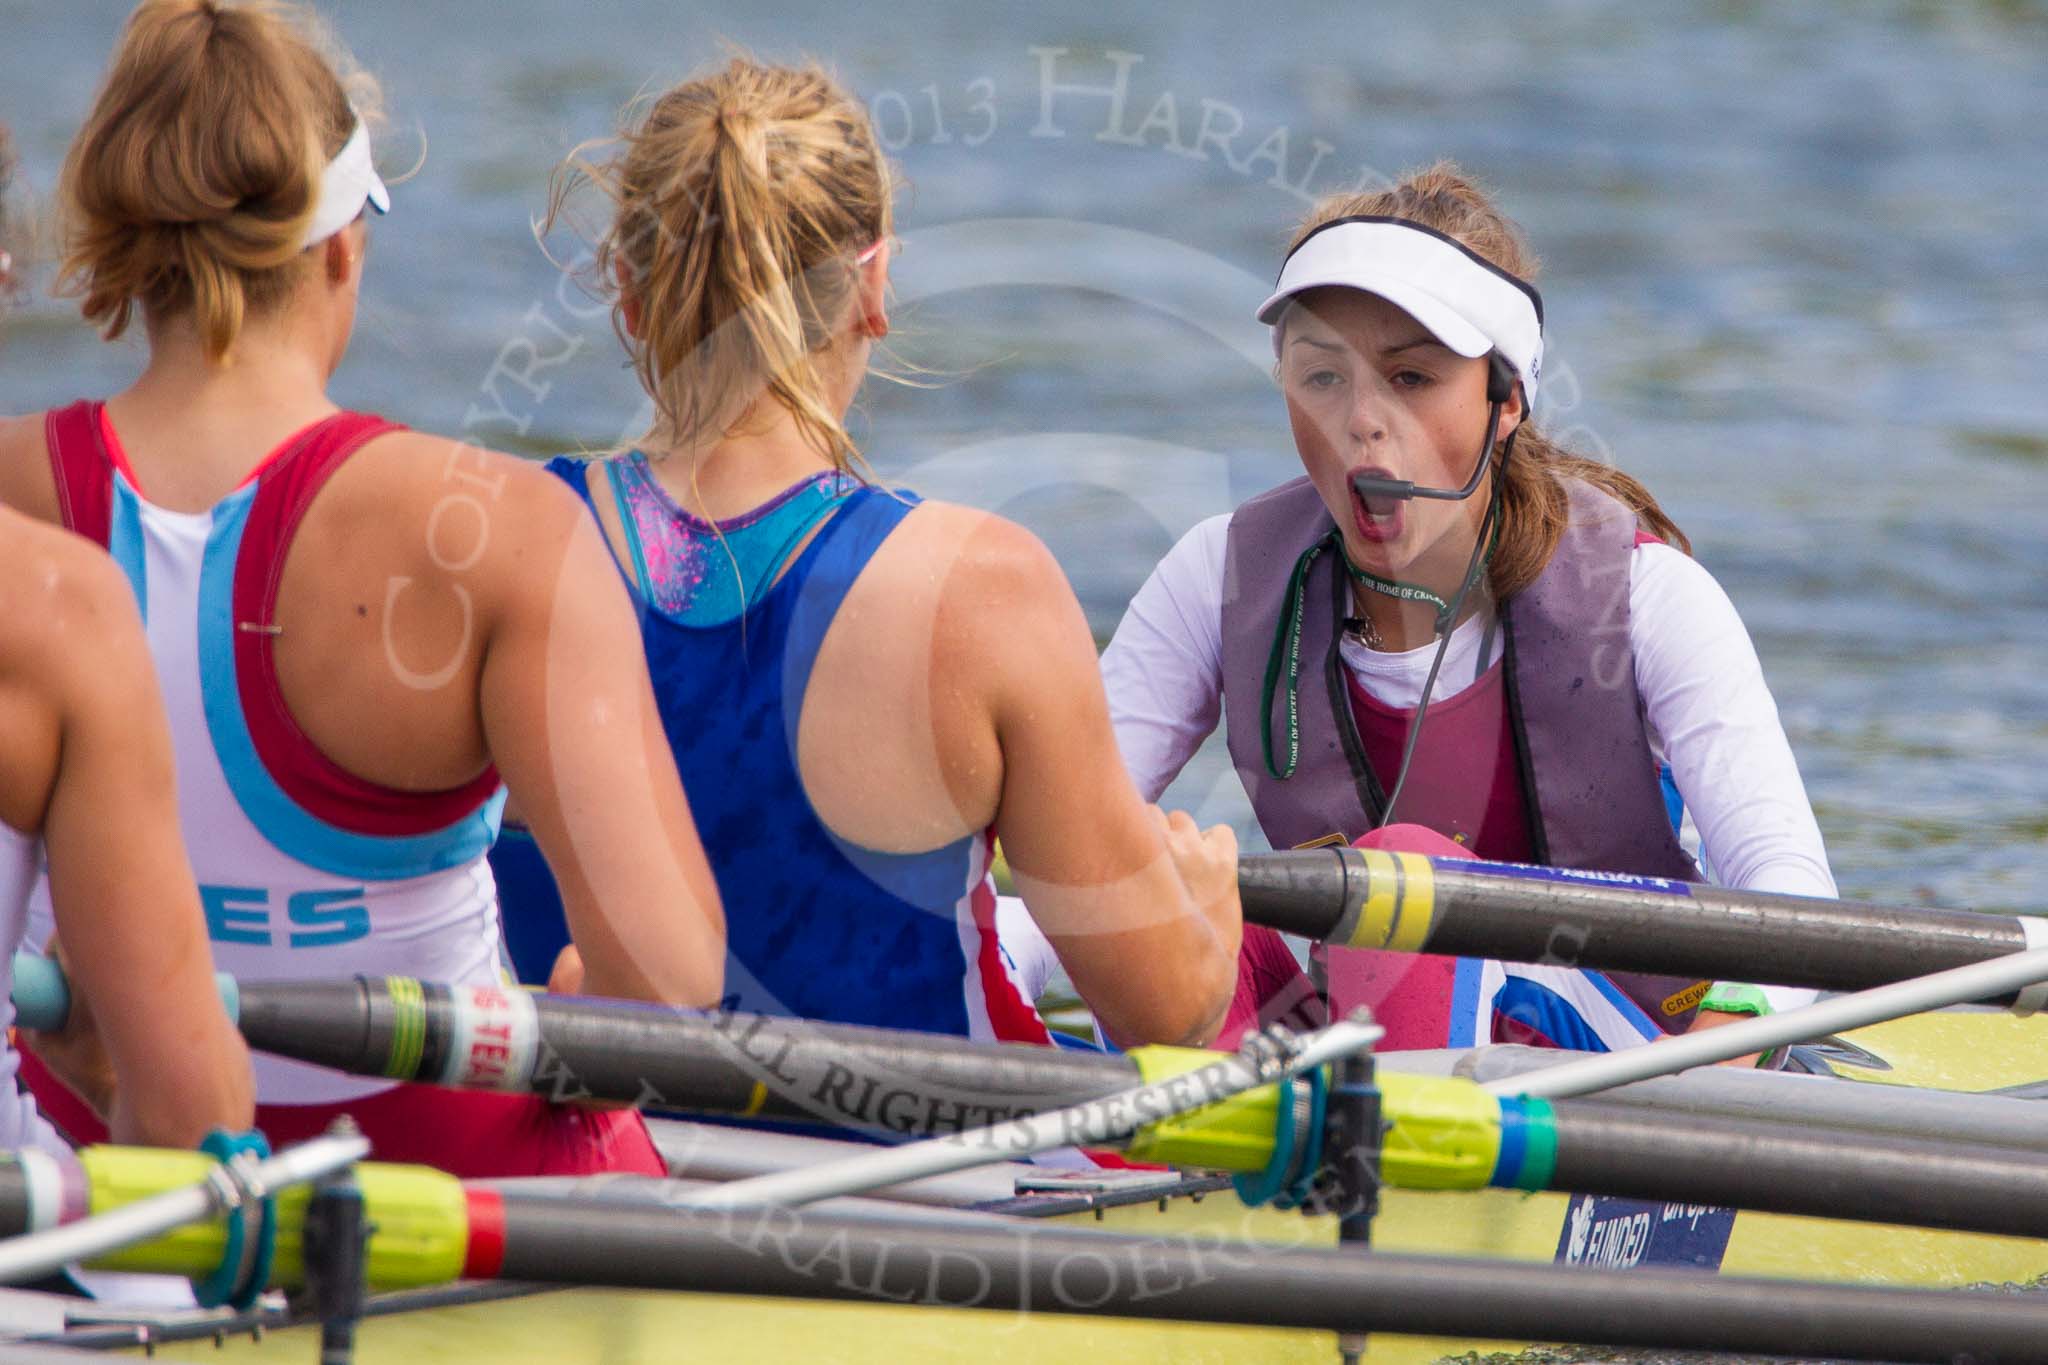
[(20, 1124), (305, 871)]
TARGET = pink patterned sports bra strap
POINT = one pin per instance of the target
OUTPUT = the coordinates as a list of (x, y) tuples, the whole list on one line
[(82, 470)]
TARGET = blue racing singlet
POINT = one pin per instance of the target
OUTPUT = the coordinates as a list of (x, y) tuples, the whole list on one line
[(816, 927)]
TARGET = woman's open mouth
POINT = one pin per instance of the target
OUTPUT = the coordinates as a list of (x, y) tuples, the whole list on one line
[(1377, 519)]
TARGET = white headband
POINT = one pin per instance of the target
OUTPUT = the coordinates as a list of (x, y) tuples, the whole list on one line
[(349, 182), (1467, 303)]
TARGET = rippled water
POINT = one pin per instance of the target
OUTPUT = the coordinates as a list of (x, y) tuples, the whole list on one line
[(1794, 271)]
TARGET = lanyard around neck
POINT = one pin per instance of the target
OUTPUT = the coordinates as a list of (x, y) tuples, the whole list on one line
[(1283, 661)]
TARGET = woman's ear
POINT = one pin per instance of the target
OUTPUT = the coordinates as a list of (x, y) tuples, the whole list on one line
[(342, 254), (1512, 412), (629, 302), (873, 292)]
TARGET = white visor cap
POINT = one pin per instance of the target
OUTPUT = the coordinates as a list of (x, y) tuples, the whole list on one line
[(349, 182), (1466, 302)]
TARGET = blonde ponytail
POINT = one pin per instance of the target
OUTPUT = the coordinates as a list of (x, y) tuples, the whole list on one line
[(741, 202)]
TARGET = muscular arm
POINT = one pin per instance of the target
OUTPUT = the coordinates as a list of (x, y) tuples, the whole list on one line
[(1705, 696), (1154, 957), (120, 885), (570, 721)]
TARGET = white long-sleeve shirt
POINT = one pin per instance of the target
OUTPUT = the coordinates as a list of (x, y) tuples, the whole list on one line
[(1710, 715)]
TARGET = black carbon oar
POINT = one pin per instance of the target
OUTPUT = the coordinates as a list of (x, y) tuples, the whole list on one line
[(1204, 1279), (1443, 1132), (427, 1228), (1364, 898)]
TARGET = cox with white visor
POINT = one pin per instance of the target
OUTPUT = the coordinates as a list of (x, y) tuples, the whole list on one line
[(1468, 303)]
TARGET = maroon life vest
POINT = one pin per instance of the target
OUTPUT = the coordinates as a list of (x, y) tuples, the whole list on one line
[(1588, 777)]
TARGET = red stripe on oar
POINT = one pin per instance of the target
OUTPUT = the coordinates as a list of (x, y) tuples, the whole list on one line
[(486, 1256)]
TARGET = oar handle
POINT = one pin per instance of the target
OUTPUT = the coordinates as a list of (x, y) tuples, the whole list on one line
[(42, 997), (1300, 892)]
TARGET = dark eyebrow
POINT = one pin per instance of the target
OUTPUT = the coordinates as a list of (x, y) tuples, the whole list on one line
[(1319, 345), (1425, 340)]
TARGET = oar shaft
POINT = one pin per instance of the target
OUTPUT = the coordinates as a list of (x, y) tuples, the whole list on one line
[(1045, 1269), (1983, 980), (1370, 899), (1808, 1170), (739, 1065), (1444, 1133)]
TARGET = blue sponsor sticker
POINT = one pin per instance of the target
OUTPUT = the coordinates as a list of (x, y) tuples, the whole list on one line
[(1530, 872), (1614, 1233)]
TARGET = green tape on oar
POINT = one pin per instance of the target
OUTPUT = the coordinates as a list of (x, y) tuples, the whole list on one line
[(1235, 1134), (408, 1027), (419, 1218), (1443, 1133)]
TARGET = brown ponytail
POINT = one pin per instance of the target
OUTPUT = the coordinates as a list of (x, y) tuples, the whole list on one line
[(740, 203), (1534, 507), (198, 170)]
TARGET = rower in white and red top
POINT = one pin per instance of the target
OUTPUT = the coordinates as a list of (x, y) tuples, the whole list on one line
[(83, 750), (359, 628)]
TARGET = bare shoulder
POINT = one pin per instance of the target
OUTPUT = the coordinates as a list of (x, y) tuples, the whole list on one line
[(19, 434), (978, 558), (446, 505), (999, 606), (431, 468), (25, 479), (70, 613)]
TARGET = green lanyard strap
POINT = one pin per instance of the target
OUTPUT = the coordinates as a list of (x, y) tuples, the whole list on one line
[(1285, 655)]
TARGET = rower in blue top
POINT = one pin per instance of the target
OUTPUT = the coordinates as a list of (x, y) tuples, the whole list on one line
[(862, 689)]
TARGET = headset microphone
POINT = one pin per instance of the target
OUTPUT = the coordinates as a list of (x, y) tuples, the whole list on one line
[(1500, 383)]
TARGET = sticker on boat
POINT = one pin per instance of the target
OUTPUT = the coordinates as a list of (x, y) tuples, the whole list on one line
[(1615, 1233)]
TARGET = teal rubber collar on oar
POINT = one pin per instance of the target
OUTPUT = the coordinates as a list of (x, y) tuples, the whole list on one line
[(244, 1271), (1256, 1187), (1528, 1144), (1285, 1182), (1297, 1191)]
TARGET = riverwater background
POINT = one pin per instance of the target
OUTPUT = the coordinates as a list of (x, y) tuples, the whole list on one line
[(1796, 275)]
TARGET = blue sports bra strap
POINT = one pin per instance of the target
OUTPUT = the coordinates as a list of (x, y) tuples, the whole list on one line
[(575, 472), (629, 525), (828, 569)]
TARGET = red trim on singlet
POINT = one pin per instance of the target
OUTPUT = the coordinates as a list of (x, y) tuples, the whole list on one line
[(289, 481), (85, 451), (1009, 1013), (470, 1134), (82, 470), (486, 1254), (117, 454), (1645, 538)]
